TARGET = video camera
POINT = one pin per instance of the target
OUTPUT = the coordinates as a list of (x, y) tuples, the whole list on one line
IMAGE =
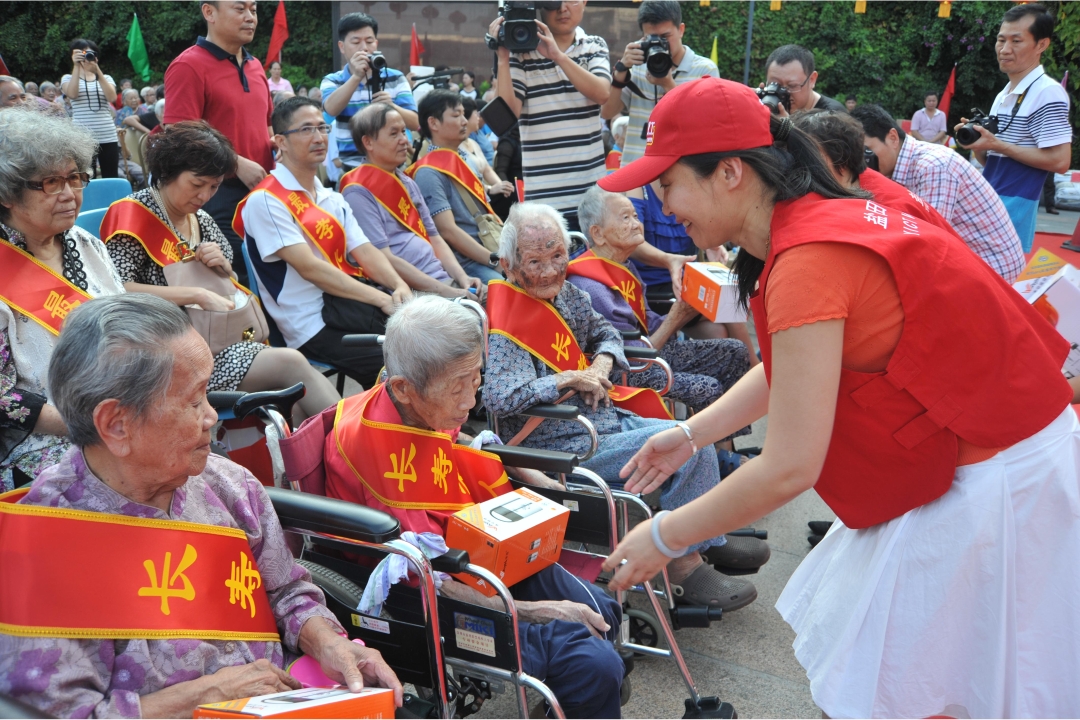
[(518, 31), (773, 96), (657, 55), (967, 134), (439, 80)]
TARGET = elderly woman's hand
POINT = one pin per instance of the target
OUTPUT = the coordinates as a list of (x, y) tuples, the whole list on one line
[(261, 677), (355, 666), (592, 388)]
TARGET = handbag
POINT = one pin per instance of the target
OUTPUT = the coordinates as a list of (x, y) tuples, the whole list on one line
[(245, 322), (352, 316), (488, 226)]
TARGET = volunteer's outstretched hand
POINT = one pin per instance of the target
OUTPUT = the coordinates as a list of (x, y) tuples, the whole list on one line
[(656, 461)]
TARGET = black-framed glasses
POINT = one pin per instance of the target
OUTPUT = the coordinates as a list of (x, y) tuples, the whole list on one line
[(798, 86), (309, 131), (55, 184)]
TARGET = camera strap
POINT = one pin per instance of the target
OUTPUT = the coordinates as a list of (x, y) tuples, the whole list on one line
[(1016, 106)]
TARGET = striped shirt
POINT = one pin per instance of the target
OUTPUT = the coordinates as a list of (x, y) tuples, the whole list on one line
[(692, 67), (397, 86), (562, 147), (91, 110), (1042, 121)]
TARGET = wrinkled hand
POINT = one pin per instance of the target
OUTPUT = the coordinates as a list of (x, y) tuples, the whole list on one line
[(547, 46), (355, 666), (212, 302), (676, 265), (211, 255), (250, 172), (261, 677), (633, 55), (656, 461), (987, 140), (358, 64), (529, 476), (503, 187), (643, 560), (481, 289), (592, 388), (682, 313), (547, 610)]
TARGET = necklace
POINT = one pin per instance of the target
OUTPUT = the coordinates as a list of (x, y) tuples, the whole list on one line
[(190, 239)]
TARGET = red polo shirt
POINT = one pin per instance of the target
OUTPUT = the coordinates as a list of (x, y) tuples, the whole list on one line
[(205, 83)]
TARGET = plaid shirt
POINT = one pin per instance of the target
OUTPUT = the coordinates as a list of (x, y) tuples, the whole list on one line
[(959, 192)]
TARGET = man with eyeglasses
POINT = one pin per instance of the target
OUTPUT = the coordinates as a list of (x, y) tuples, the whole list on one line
[(792, 66), (311, 260), (11, 92)]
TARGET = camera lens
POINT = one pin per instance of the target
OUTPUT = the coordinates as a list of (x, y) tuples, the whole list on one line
[(520, 34), (967, 134)]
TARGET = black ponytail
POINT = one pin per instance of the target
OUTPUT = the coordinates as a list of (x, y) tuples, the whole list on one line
[(789, 169)]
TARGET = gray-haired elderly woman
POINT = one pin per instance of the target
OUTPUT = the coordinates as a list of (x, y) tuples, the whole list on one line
[(533, 252), (129, 375), (49, 266)]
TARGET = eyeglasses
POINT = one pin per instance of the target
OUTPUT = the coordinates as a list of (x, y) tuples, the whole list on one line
[(798, 86), (309, 131), (55, 184)]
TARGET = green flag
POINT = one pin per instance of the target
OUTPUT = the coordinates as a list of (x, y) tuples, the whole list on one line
[(137, 51)]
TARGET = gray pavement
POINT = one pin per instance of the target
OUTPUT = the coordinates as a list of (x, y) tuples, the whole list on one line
[(1065, 222)]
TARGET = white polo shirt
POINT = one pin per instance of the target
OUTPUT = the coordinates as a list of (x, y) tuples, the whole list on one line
[(294, 303)]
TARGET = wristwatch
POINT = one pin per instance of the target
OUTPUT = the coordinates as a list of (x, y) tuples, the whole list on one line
[(619, 67)]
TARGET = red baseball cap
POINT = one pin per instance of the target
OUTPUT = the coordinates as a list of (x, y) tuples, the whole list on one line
[(701, 116)]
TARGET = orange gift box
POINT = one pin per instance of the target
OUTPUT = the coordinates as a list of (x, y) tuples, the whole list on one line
[(710, 288), (335, 702), (514, 536)]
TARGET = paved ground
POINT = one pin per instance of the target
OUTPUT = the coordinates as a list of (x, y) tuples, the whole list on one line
[(1065, 222)]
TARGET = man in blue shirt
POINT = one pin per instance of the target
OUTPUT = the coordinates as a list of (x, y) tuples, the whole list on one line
[(347, 92)]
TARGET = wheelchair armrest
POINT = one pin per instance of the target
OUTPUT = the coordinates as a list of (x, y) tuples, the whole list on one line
[(551, 412), (542, 460), (223, 399), (631, 334), (305, 511), (633, 352), (362, 341), (454, 561), (283, 400)]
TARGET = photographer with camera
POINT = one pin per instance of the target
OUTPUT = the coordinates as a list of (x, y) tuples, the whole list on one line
[(365, 79), (659, 59), (554, 76), (790, 78), (91, 92), (950, 184), (1027, 134)]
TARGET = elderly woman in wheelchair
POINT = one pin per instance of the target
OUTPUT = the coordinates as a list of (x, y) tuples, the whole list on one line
[(543, 332), (398, 448), (152, 577)]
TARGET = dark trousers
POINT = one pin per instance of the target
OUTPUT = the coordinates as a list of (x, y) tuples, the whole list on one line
[(361, 364), (222, 207), (108, 157), (1048, 191), (583, 671)]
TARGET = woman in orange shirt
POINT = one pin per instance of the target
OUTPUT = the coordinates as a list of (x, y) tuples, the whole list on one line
[(915, 391)]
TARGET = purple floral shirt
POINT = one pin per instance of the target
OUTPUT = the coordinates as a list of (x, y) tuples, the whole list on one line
[(104, 678)]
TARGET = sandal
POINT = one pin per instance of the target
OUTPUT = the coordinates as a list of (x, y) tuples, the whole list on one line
[(705, 586), (739, 555), (730, 461)]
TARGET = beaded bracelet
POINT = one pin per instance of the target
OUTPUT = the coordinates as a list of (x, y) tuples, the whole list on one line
[(658, 541)]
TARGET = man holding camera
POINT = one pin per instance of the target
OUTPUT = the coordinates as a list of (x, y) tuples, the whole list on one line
[(554, 78), (365, 79), (659, 60), (790, 69), (1028, 133)]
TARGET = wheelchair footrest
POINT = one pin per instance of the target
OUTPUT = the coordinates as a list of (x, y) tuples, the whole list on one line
[(709, 707)]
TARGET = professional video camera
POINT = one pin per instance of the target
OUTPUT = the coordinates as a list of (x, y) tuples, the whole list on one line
[(773, 96), (657, 55), (377, 62), (967, 134), (518, 31), (870, 158)]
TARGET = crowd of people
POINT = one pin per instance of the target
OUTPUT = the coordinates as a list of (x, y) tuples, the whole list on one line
[(902, 376)]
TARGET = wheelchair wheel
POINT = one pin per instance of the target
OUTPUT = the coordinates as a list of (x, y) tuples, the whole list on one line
[(340, 587), (644, 630)]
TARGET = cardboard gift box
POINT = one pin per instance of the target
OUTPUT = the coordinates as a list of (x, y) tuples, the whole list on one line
[(514, 536), (711, 289), (1052, 286), (335, 702)]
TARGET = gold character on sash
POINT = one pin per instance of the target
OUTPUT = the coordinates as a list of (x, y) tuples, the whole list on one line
[(441, 469), (582, 363), (561, 346), (406, 471), (58, 306), (298, 203), (243, 581), (404, 207), (324, 229), (626, 289), (169, 250), (165, 589)]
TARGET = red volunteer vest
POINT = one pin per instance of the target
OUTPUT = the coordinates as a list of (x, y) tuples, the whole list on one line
[(892, 194), (974, 361)]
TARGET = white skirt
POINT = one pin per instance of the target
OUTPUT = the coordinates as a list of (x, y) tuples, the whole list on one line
[(968, 606)]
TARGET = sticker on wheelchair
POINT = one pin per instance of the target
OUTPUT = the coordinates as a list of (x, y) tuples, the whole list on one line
[(370, 623), (571, 505), (474, 634)]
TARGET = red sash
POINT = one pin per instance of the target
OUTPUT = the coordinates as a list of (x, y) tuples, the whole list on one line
[(615, 276), (413, 469), (450, 163), (134, 578), (321, 228), (35, 290), (537, 327), (391, 194)]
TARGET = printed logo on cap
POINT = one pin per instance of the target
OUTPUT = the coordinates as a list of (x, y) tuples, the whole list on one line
[(649, 133)]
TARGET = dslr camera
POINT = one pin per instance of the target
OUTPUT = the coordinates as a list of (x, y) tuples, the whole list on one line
[(377, 63), (773, 96), (871, 159), (657, 55), (518, 31), (967, 134), (90, 56)]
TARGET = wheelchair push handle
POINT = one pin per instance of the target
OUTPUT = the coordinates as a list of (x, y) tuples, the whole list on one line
[(750, 532), (363, 341), (454, 561), (223, 399), (631, 334), (633, 352), (280, 400)]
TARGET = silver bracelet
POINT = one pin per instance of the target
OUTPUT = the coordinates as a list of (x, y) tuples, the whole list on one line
[(658, 541), (689, 435)]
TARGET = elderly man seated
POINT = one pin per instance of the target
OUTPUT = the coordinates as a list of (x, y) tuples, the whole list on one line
[(431, 385), (526, 368), (143, 525)]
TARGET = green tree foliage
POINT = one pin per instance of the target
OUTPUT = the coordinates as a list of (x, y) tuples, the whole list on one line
[(890, 55), (35, 36)]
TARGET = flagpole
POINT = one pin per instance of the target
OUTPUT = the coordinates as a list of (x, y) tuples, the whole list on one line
[(749, 42)]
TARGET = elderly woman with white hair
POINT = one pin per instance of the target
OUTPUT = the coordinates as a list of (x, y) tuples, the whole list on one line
[(50, 266), (137, 493), (523, 372), (432, 377)]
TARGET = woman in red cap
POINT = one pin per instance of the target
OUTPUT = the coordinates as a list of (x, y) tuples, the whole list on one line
[(915, 391)]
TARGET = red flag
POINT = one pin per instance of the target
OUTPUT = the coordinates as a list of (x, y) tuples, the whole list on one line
[(279, 36), (946, 97), (416, 48), (4, 69)]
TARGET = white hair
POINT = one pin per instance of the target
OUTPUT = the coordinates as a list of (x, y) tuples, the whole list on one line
[(425, 335), (159, 109), (148, 88), (525, 217), (618, 128), (592, 210), (128, 92)]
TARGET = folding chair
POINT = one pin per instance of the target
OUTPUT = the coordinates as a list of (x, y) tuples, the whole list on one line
[(103, 192), (90, 220)]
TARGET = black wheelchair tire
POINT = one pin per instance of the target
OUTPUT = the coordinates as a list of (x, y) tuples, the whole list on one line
[(340, 587)]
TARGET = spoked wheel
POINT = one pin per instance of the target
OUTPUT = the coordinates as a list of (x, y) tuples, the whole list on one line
[(644, 630)]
